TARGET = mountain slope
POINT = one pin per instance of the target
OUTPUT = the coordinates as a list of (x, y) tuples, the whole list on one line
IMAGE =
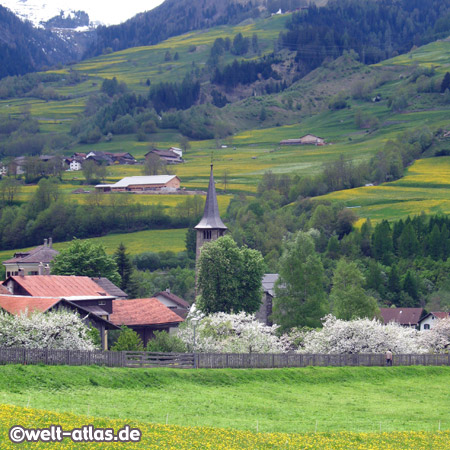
[(172, 18), (24, 48)]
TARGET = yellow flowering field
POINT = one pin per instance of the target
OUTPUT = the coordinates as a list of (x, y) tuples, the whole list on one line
[(155, 436), (425, 187)]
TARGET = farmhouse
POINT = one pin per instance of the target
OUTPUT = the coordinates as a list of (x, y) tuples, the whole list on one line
[(80, 290), (308, 139), (171, 156), (427, 322), (74, 164), (406, 317), (15, 305), (173, 302), (167, 183), (144, 315), (34, 262)]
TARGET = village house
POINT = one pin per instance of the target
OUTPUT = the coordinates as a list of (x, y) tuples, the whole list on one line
[(144, 316), (171, 156), (308, 139), (100, 158), (165, 183), (406, 317), (33, 262), (81, 291), (14, 304), (173, 302), (427, 322)]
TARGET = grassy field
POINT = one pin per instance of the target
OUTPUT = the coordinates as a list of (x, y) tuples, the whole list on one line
[(425, 187), (139, 242), (327, 400), (180, 438)]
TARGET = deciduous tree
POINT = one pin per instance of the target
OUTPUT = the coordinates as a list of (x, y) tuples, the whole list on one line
[(300, 295), (229, 277), (348, 297), (85, 258)]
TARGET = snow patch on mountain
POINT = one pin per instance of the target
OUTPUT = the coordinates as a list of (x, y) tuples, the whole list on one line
[(100, 12)]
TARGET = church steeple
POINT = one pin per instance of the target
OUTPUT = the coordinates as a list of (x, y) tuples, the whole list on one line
[(211, 226)]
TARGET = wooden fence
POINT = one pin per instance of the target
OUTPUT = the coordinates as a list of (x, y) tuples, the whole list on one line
[(208, 360)]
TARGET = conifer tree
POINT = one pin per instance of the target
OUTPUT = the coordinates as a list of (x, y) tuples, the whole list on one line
[(124, 266)]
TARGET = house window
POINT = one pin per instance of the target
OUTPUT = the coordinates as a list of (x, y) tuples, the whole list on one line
[(206, 234), (426, 326), (33, 272), (101, 303)]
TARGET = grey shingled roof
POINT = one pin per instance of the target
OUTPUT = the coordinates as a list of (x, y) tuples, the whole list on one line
[(268, 282), (110, 287), (211, 217), (42, 254)]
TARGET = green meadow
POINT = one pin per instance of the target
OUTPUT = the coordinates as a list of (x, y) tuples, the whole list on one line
[(138, 242), (424, 188), (323, 399)]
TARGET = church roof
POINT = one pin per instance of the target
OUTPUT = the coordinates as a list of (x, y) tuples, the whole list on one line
[(211, 217)]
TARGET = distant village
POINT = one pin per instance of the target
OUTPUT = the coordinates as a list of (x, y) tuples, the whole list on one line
[(75, 163), (30, 286)]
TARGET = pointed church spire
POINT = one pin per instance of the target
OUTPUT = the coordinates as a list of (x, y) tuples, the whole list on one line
[(211, 218)]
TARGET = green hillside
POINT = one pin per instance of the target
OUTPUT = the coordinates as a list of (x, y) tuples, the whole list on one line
[(241, 159)]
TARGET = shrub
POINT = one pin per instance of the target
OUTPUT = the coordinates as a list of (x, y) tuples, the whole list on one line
[(165, 342), (128, 340)]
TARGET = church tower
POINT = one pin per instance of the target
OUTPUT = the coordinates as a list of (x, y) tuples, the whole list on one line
[(211, 226)]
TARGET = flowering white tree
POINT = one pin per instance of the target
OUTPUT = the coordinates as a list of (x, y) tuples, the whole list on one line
[(51, 330), (242, 333), (362, 336), (232, 333), (438, 338)]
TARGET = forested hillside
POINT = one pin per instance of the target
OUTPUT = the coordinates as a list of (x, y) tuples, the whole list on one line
[(24, 48), (175, 17), (375, 29)]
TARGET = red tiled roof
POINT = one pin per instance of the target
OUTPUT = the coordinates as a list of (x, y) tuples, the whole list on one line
[(441, 315), (15, 304), (3, 290), (59, 286), (403, 316), (142, 311)]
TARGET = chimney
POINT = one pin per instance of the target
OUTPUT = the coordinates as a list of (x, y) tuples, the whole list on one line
[(168, 290), (50, 242), (47, 270), (21, 272), (41, 269), (45, 242)]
